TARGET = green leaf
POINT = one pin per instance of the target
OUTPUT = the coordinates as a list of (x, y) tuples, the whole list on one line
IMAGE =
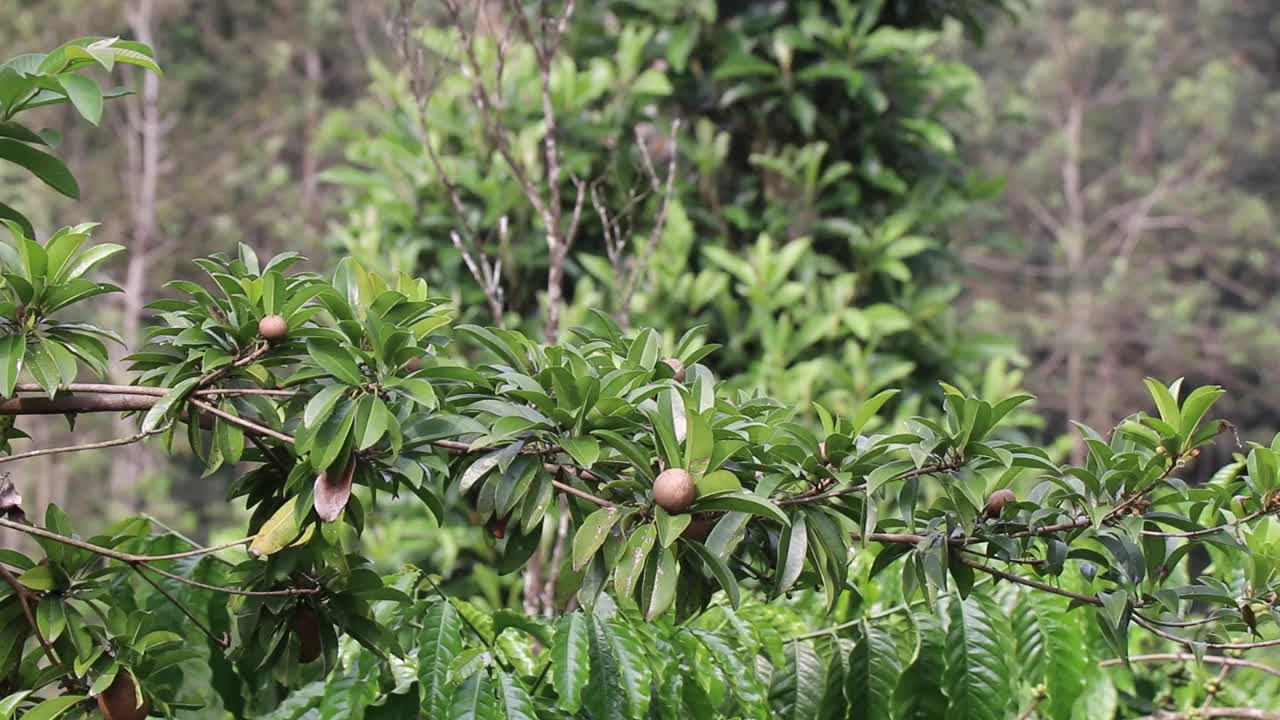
[(631, 565), (662, 589), (592, 534), (278, 531), (474, 700), (792, 549), (85, 96), (50, 709), (515, 700), (919, 693), (670, 526), (13, 349), (1165, 402), (584, 449), (570, 666), (51, 617), (41, 164), (699, 443), (872, 675), (744, 501), (372, 419), (1099, 699), (160, 412), (322, 403), (717, 482), (11, 702), (976, 680), (439, 641), (416, 389), (1052, 648), (719, 570), (795, 692), (618, 688), (335, 359), (18, 131), (869, 408), (8, 214)]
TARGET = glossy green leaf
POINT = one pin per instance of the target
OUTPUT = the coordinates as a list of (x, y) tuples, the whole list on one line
[(570, 660), (795, 692), (592, 534), (335, 359), (41, 164), (872, 675), (439, 641), (745, 502), (976, 680)]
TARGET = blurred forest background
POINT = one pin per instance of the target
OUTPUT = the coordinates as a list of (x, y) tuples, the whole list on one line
[(1058, 195)]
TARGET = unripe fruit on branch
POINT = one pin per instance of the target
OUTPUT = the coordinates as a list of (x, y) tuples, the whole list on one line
[(673, 490), (307, 626), (997, 501), (273, 327), (677, 367), (120, 700)]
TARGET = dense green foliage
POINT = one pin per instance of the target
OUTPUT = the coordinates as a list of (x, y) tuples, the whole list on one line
[(741, 293)]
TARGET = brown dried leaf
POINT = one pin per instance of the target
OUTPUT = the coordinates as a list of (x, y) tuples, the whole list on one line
[(332, 495), (10, 501)]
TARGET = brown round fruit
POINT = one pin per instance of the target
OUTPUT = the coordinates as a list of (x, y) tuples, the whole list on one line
[(307, 625), (698, 529), (273, 327), (997, 501), (414, 364), (677, 367), (119, 700), (498, 527), (673, 490)]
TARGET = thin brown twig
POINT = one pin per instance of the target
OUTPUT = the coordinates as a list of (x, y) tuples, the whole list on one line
[(221, 642), (87, 446), (1188, 657), (246, 424), (1156, 630)]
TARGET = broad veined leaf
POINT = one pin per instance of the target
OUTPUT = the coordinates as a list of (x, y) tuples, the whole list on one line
[(1052, 647), (619, 684), (795, 692), (872, 674), (438, 643), (976, 680), (474, 699), (570, 660), (919, 694), (515, 700)]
